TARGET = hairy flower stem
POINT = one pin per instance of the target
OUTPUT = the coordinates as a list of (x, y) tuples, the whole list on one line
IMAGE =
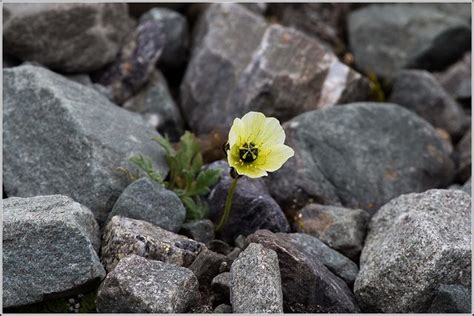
[(228, 205)]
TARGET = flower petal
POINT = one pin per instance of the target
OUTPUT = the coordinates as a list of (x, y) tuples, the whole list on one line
[(273, 158), (250, 170), (273, 133), (253, 125), (237, 130)]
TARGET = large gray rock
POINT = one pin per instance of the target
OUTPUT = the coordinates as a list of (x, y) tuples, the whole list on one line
[(252, 208), (462, 157), (359, 155), (155, 103), (139, 285), (456, 80), (240, 63), (451, 299), (176, 32), (73, 37), (415, 243), (61, 137), (338, 264), (50, 246), (147, 200), (125, 236), (385, 38), (340, 228), (420, 92), (308, 286), (256, 282)]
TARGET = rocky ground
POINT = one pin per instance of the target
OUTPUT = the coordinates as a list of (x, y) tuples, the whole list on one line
[(372, 214)]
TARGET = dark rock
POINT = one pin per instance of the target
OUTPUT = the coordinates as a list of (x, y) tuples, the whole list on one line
[(136, 60), (124, 236), (156, 105), (467, 186), (220, 286), (207, 265), (420, 92), (50, 246), (385, 38), (241, 242), (415, 243), (333, 260), (9, 61), (252, 208), (61, 137), (176, 36), (148, 201), (359, 155), (234, 254), (308, 286), (219, 246), (462, 158), (223, 309), (202, 230), (138, 285), (456, 80), (73, 37), (136, 9), (340, 228), (451, 299), (240, 63), (256, 282)]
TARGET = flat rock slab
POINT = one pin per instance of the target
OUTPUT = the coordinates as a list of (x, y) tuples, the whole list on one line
[(73, 37), (307, 285), (256, 282), (50, 246), (125, 236), (139, 285), (416, 243), (61, 137), (360, 155)]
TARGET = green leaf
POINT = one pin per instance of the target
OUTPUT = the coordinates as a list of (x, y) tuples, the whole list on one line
[(165, 143), (205, 179), (146, 165)]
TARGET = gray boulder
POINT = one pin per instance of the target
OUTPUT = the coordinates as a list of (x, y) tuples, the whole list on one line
[(125, 236), (139, 285), (385, 38), (420, 92), (256, 282), (462, 158), (359, 155), (147, 200), (451, 299), (240, 63), (415, 243), (223, 309), (456, 80), (176, 33), (337, 263), (340, 228), (201, 230), (50, 246), (73, 37), (156, 105), (61, 137), (308, 286)]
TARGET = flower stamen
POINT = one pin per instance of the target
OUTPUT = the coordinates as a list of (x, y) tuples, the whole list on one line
[(248, 152)]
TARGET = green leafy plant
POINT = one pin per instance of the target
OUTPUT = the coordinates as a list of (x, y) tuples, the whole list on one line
[(186, 176)]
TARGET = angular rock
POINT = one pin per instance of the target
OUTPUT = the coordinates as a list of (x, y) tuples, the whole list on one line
[(125, 236), (340, 228), (207, 265), (415, 243), (202, 230), (467, 187), (333, 260), (385, 38), (73, 37), (136, 60), (456, 80), (451, 299), (240, 63), (223, 309), (220, 287), (359, 155), (61, 137), (219, 246), (462, 158), (176, 36), (139, 285), (256, 282), (253, 208), (308, 286), (50, 246), (156, 105), (420, 92), (241, 242), (148, 201)]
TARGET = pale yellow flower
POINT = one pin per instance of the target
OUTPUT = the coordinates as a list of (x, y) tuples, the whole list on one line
[(256, 145)]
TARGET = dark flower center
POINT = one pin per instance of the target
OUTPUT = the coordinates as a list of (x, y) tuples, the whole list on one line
[(248, 152)]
